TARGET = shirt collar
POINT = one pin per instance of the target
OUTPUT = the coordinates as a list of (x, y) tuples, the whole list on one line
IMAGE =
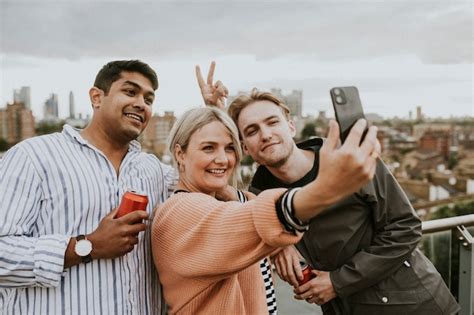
[(75, 133)]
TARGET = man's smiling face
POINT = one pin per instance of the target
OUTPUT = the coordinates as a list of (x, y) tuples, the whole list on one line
[(125, 111), (267, 135)]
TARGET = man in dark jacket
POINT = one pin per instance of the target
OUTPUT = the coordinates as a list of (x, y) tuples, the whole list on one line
[(364, 248)]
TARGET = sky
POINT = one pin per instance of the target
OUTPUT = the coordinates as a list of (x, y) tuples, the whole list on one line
[(400, 54)]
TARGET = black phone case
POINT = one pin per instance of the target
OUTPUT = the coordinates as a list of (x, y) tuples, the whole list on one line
[(349, 110)]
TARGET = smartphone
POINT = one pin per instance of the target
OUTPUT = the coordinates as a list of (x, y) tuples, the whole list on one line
[(348, 109)]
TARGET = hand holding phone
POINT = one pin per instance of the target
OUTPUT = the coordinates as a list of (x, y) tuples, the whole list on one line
[(348, 109)]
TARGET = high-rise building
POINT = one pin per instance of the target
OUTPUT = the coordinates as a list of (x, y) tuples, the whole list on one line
[(294, 101), (16, 123), (71, 105), (51, 107), (23, 95), (419, 114), (322, 115), (155, 135)]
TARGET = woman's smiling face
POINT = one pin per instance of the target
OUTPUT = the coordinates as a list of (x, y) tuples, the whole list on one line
[(209, 159)]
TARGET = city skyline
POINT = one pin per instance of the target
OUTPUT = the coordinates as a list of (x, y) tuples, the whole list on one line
[(400, 54)]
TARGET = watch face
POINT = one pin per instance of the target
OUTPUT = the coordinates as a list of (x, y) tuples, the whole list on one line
[(83, 248)]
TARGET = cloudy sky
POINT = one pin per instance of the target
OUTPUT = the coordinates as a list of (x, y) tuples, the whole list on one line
[(400, 54)]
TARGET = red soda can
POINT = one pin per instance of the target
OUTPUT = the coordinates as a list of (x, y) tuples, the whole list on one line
[(132, 201), (307, 274)]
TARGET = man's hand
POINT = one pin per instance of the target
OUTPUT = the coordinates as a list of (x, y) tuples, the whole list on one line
[(115, 237), (287, 265), (318, 290), (214, 94), (112, 238), (343, 170)]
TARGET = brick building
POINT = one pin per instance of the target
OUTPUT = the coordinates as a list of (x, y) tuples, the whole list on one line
[(436, 141), (16, 123), (155, 136)]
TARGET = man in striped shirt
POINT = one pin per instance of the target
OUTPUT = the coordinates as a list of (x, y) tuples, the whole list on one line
[(62, 249)]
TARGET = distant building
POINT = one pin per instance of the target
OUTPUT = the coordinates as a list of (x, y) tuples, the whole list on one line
[(464, 137), (419, 114), (420, 129), (51, 108), (423, 191), (465, 166), (395, 140), (417, 164), (78, 122), (402, 142), (16, 123), (72, 113), (438, 141), (373, 118), (452, 183), (322, 116), (23, 95), (294, 100), (155, 136)]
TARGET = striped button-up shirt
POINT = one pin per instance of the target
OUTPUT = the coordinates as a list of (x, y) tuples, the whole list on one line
[(59, 186)]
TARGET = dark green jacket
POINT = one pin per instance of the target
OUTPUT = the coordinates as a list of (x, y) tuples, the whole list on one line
[(368, 243)]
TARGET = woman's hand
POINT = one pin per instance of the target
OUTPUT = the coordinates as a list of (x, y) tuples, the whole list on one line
[(214, 94)]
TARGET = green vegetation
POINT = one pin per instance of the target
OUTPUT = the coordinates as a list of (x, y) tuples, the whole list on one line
[(458, 209), (452, 162), (44, 128), (437, 246), (309, 130), (4, 145), (247, 160)]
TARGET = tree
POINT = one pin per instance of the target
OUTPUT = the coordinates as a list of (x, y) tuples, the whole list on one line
[(457, 210), (309, 130), (4, 145), (247, 160), (452, 161), (44, 127)]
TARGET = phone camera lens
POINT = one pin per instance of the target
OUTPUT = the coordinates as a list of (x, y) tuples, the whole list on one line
[(337, 92), (339, 99)]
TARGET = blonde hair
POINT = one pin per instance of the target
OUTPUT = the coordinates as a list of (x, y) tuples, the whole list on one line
[(193, 120), (242, 101)]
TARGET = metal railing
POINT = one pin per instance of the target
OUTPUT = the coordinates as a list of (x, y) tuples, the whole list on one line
[(461, 262)]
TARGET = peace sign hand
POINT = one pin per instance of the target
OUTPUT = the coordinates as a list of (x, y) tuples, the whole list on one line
[(214, 94)]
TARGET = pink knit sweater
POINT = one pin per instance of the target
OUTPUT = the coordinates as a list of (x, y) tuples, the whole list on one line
[(207, 252)]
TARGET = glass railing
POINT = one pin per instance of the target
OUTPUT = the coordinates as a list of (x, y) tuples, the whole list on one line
[(448, 244)]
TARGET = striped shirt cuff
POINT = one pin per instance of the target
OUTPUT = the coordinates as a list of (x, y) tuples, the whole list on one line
[(48, 258)]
